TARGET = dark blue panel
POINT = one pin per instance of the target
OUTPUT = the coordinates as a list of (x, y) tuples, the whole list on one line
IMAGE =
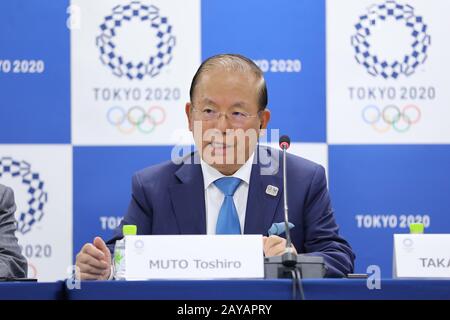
[(314, 289), (102, 185), (34, 107), (277, 30), (395, 183)]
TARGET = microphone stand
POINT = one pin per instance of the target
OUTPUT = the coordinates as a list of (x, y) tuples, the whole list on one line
[(291, 265), (289, 258)]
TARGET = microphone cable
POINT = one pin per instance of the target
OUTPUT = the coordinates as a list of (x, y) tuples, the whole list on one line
[(297, 284)]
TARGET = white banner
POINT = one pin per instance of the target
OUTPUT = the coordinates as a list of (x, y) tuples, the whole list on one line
[(131, 66), (421, 256), (194, 257), (387, 70), (41, 177)]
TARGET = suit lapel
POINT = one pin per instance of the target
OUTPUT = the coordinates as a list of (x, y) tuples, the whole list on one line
[(188, 198), (261, 207)]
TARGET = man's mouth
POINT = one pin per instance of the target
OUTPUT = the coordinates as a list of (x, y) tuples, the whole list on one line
[(220, 147)]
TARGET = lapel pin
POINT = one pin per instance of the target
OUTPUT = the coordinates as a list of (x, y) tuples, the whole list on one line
[(272, 190)]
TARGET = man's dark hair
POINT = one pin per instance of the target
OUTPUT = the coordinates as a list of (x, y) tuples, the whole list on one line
[(234, 62)]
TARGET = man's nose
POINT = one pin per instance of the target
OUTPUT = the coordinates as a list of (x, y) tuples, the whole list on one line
[(223, 123)]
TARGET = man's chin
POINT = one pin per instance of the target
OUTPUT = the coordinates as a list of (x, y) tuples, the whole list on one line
[(223, 161), (218, 159)]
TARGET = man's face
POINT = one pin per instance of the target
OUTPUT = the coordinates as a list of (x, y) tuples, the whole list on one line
[(225, 119)]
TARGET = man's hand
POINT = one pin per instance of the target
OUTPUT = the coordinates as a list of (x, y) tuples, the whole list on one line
[(274, 246), (94, 261)]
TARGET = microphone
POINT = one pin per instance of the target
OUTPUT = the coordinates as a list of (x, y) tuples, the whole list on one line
[(289, 258), (284, 142)]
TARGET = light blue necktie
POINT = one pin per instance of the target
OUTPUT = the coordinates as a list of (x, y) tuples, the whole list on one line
[(228, 220)]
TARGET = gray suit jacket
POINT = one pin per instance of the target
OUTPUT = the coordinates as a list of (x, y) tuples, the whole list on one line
[(12, 262)]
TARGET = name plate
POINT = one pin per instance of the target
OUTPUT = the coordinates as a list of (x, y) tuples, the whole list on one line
[(193, 257), (421, 256)]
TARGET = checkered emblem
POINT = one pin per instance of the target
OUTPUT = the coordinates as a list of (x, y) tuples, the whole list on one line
[(37, 195), (403, 14), (120, 65)]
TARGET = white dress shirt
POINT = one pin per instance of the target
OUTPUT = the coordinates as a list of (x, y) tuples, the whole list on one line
[(214, 197)]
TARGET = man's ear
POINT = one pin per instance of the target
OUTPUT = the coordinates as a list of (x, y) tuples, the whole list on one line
[(188, 111), (265, 117)]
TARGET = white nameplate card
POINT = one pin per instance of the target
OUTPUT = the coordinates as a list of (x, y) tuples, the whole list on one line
[(421, 256), (194, 257)]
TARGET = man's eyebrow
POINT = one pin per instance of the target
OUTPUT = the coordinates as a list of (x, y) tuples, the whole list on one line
[(208, 101), (239, 104)]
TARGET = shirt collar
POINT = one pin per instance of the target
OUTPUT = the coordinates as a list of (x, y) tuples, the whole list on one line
[(211, 174)]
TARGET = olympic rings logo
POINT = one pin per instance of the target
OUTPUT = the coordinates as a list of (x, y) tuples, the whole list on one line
[(136, 118), (391, 117)]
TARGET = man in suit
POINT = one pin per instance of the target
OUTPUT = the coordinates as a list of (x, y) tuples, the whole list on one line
[(12, 262), (223, 188)]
